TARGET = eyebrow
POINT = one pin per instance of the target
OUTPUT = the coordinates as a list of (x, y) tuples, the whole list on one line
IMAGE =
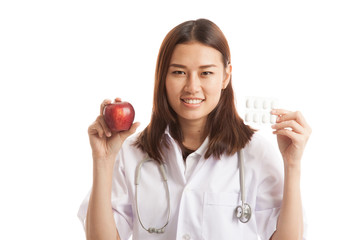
[(182, 66)]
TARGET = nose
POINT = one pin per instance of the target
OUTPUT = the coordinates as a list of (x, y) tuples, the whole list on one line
[(193, 84)]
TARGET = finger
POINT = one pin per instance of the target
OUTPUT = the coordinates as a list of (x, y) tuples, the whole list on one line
[(279, 111), (285, 115), (288, 133), (105, 128), (132, 130), (95, 128), (292, 124), (117, 99), (103, 105)]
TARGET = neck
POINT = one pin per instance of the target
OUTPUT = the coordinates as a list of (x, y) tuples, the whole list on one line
[(193, 132)]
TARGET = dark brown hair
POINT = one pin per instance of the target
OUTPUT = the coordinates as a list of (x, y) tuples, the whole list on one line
[(226, 130)]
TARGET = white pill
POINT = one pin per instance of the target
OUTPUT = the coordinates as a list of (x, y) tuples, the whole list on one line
[(265, 118), (248, 103), (248, 117), (257, 103), (256, 118), (266, 104)]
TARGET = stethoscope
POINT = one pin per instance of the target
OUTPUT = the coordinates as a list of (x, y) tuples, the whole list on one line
[(242, 212)]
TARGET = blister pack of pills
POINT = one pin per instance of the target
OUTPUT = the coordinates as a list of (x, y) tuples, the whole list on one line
[(256, 110)]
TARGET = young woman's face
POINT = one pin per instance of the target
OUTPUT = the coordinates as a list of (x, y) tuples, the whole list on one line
[(194, 81)]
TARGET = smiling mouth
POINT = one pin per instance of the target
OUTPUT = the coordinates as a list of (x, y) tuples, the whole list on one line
[(192, 101)]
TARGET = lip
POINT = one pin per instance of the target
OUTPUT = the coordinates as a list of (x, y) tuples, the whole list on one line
[(192, 102)]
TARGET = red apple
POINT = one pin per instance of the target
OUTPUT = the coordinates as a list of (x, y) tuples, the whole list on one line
[(119, 116)]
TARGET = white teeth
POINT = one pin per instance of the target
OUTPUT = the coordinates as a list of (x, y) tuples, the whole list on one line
[(193, 101)]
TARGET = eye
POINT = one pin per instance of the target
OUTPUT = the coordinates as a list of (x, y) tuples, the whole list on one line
[(206, 73), (178, 72)]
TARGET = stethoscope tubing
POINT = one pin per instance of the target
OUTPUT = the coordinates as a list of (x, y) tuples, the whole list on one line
[(241, 175), (242, 212), (137, 182), (245, 207)]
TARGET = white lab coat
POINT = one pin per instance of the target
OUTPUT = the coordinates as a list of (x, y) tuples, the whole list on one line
[(203, 193)]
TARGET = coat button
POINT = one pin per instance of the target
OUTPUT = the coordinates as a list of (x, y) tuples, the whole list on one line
[(186, 237)]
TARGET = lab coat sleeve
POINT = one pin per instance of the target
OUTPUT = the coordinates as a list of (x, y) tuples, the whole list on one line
[(270, 190), (120, 202)]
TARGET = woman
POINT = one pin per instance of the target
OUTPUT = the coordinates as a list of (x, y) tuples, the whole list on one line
[(196, 133)]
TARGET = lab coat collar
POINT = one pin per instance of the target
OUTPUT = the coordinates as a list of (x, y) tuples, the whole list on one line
[(179, 160), (203, 148), (200, 151)]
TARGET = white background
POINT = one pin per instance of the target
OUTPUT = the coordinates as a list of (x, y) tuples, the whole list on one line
[(60, 59)]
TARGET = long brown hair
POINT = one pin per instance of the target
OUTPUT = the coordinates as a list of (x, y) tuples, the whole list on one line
[(226, 130)]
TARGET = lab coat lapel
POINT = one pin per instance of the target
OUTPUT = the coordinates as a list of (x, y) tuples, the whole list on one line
[(201, 151), (174, 161)]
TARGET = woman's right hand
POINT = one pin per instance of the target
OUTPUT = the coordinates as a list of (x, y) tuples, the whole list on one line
[(105, 144)]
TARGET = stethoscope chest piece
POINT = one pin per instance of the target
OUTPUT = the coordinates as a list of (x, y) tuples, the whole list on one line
[(243, 213)]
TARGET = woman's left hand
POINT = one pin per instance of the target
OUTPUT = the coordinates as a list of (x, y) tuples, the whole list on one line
[(292, 133)]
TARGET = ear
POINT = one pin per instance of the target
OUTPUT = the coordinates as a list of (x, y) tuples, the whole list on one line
[(227, 76)]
